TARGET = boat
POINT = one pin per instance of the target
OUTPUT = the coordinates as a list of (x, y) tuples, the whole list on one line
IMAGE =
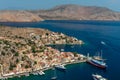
[(60, 67), (98, 77), (35, 73), (41, 73), (54, 75), (62, 50), (102, 42), (97, 63), (54, 78)]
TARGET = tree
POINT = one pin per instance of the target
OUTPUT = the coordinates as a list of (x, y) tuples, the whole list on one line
[(35, 62), (3, 53), (16, 54), (75, 54), (11, 66), (47, 34), (26, 66), (33, 49), (17, 60)]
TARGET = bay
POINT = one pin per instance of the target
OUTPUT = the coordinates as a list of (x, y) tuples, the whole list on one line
[(92, 33)]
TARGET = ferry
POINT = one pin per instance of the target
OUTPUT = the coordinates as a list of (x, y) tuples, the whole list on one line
[(97, 63), (98, 77), (60, 67)]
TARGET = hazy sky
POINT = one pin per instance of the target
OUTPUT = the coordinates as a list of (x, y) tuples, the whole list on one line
[(45, 4)]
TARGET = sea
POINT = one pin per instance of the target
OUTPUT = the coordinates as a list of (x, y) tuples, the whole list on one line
[(92, 33)]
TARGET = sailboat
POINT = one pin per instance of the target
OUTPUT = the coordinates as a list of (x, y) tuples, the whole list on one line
[(54, 75), (96, 62), (98, 56)]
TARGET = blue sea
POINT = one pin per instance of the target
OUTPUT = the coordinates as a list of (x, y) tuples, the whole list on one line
[(92, 33)]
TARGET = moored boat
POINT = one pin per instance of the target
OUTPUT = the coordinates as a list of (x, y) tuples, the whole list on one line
[(97, 63), (41, 73), (60, 67)]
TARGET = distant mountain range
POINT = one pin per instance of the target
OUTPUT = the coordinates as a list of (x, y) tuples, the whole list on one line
[(18, 16), (63, 12)]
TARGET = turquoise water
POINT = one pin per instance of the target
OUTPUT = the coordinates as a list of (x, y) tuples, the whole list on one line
[(92, 33)]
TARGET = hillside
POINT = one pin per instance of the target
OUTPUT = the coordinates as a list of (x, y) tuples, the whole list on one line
[(18, 16), (75, 12), (25, 50), (63, 12)]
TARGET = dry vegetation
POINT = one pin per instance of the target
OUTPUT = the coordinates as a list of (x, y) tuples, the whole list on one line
[(24, 49)]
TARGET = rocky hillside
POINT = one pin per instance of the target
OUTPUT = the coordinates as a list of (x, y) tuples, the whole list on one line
[(24, 49), (63, 12), (18, 16), (75, 12)]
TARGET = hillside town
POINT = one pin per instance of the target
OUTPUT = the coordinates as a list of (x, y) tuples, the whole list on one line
[(26, 50)]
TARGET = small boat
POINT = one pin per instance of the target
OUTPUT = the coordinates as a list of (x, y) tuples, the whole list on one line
[(41, 73), (98, 77), (62, 50), (102, 42), (54, 75), (97, 63), (60, 67), (54, 78), (35, 73)]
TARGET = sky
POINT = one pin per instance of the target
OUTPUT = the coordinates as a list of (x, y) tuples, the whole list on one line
[(46, 4)]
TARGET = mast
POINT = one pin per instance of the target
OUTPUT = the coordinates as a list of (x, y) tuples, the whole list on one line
[(101, 54), (88, 56)]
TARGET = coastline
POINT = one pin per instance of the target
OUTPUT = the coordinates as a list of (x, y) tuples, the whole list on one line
[(32, 52), (44, 69)]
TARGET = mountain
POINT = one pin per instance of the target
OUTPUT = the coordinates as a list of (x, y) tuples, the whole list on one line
[(63, 12), (76, 12), (18, 16)]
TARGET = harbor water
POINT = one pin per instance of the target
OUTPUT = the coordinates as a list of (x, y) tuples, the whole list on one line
[(92, 33)]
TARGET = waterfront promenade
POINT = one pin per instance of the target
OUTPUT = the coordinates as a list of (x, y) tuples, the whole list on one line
[(36, 72)]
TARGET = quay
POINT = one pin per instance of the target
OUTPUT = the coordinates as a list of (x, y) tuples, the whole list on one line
[(38, 72)]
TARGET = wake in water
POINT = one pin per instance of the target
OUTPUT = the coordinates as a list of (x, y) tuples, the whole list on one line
[(111, 47)]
